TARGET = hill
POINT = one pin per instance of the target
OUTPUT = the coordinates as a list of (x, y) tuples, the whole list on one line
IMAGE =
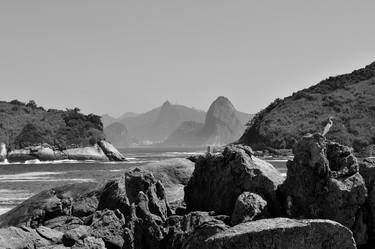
[(27, 124), (222, 125), (349, 99), (117, 134)]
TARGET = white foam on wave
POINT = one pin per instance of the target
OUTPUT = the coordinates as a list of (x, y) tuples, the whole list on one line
[(45, 179), (41, 176)]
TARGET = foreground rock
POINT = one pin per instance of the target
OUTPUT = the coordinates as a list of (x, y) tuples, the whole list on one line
[(24, 237), (323, 182), (249, 207), (219, 179), (283, 233), (47, 205)]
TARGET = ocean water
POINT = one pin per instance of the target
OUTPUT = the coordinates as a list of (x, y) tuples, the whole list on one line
[(21, 181)]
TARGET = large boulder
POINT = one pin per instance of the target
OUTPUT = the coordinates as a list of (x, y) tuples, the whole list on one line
[(283, 233), (110, 151), (249, 207), (46, 205), (323, 182), (122, 192), (20, 155), (367, 170), (94, 153), (24, 237), (218, 180), (3, 152), (192, 230)]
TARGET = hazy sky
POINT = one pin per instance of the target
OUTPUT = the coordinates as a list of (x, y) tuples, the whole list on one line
[(118, 56)]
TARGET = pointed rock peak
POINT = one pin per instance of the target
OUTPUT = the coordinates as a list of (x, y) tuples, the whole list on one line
[(166, 104), (221, 102)]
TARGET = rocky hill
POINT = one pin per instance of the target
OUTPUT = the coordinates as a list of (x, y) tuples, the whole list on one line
[(117, 134), (349, 99), (222, 125), (23, 125)]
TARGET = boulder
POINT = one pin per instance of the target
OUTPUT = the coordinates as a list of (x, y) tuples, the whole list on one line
[(219, 179), (43, 152), (90, 243), (94, 153), (120, 193), (3, 152), (110, 151), (24, 237), (249, 207), (367, 170), (74, 235), (109, 226), (63, 223), (283, 233), (323, 182), (46, 205), (50, 234), (191, 230), (20, 155)]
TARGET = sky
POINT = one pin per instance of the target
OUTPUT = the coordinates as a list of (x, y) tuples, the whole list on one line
[(120, 56)]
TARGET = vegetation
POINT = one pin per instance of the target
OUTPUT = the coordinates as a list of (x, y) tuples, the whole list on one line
[(349, 99), (23, 125)]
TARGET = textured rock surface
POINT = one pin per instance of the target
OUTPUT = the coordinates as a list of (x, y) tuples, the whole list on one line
[(219, 179), (20, 155), (110, 151), (283, 233), (46, 205), (323, 182), (248, 207), (86, 153), (367, 170)]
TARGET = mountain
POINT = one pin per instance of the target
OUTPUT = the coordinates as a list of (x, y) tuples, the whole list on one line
[(222, 125), (117, 134), (349, 99), (23, 124), (107, 120), (157, 124)]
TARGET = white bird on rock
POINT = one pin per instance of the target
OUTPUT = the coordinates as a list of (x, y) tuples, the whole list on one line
[(328, 126)]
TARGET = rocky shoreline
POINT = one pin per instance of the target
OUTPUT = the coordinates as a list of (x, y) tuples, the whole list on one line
[(101, 151), (230, 199)]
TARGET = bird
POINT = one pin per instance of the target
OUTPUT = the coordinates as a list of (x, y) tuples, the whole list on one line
[(328, 126)]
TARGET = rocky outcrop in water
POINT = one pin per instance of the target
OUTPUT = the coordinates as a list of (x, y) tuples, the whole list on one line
[(102, 151)]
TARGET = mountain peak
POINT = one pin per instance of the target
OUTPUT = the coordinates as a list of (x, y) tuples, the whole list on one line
[(166, 104)]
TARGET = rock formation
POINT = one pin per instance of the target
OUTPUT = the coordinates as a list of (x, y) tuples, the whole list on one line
[(219, 179), (3, 152), (323, 182), (283, 233)]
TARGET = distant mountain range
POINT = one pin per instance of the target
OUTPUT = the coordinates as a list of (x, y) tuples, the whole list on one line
[(157, 125), (349, 99)]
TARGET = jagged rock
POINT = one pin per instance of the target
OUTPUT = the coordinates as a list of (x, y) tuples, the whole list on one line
[(46, 205), (90, 243), (3, 152), (63, 223), (249, 207), (24, 237), (110, 151), (315, 190), (86, 153), (367, 170), (218, 180), (109, 226), (86, 204), (120, 193), (283, 233), (191, 230), (73, 236)]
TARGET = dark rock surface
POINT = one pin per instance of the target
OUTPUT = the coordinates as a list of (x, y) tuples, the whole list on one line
[(283, 233), (218, 180), (110, 151), (323, 182), (249, 207)]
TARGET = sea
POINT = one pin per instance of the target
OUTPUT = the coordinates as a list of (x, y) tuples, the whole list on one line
[(19, 181)]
